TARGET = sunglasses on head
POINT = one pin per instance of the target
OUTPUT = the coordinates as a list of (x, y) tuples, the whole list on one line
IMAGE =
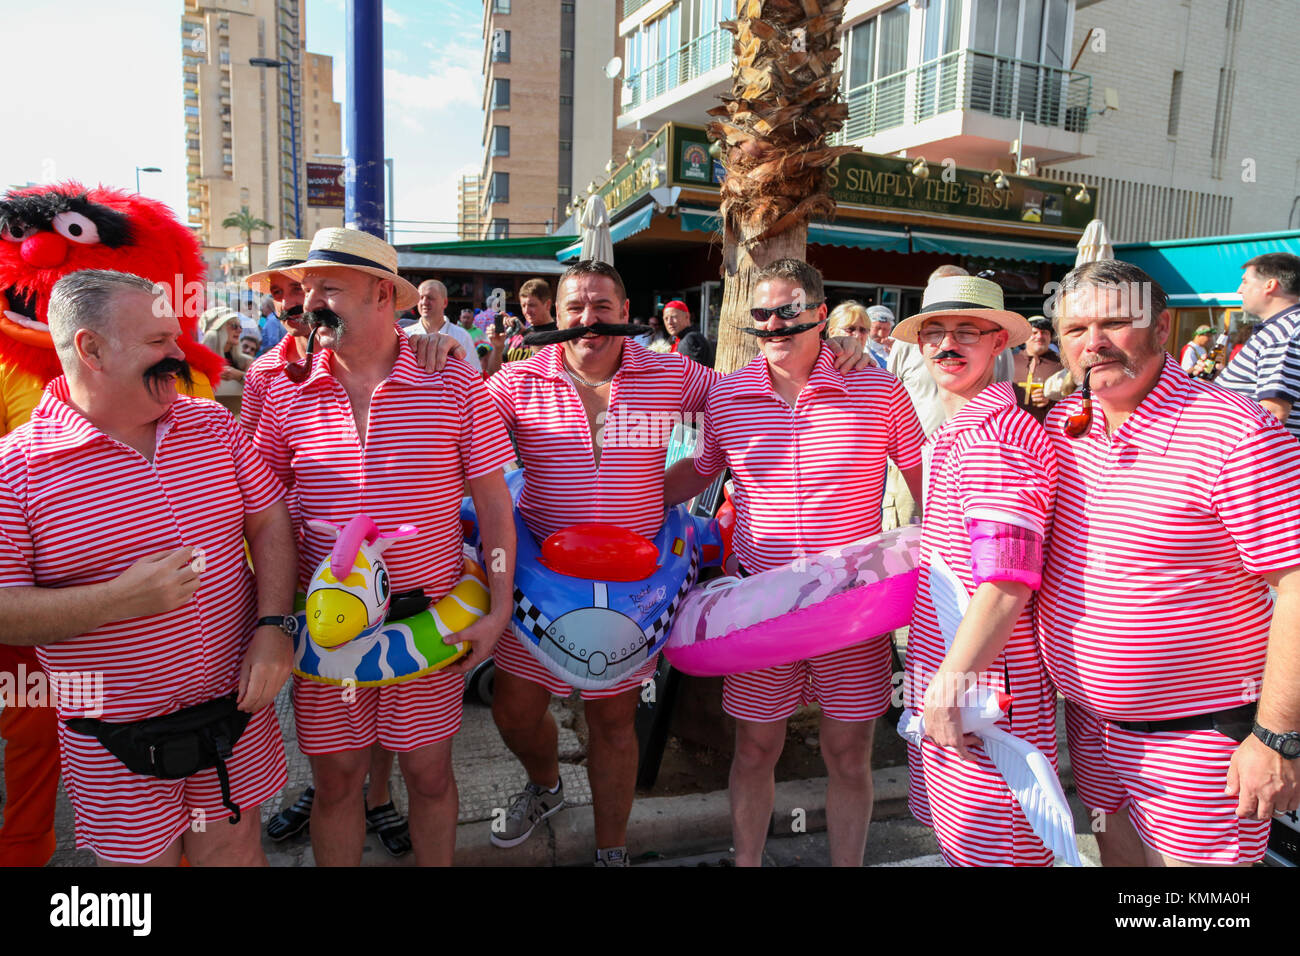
[(791, 311)]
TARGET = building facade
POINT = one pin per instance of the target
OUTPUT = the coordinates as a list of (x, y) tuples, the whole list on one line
[(239, 136), (467, 203), (549, 108), (1172, 136)]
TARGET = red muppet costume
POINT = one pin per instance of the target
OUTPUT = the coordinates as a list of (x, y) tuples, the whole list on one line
[(47, 232)]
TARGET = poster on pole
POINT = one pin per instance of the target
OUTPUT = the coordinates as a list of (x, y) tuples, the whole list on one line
[(325, 185)]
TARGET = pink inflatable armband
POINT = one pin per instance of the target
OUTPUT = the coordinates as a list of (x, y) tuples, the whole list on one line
[(1005, 552)]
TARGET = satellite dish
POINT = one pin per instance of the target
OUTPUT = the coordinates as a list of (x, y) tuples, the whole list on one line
[(614, 67)]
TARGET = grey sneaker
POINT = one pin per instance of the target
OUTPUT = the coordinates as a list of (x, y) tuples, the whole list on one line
[(527, 809), (614, 856)]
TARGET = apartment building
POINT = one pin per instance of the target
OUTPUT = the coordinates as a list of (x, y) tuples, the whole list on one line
[(549, 111), (240, 138), (467, 203)]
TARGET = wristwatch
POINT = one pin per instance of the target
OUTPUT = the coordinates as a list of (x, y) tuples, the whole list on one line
[(1288, 744), (287, 623)]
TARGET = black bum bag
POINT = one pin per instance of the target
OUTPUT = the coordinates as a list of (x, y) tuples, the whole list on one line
[(176, 745)]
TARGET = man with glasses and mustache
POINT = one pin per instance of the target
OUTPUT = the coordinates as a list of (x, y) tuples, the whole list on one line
[(988, 506), (591, 371), (1178, 505), (807, 446), (148, 588)]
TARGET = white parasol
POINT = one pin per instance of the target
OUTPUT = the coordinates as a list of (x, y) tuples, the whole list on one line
[(1094, 245), (596, 241)]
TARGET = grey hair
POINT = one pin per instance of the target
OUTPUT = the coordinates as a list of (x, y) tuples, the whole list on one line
[(1109, 274), (797, 272), (83, 300)]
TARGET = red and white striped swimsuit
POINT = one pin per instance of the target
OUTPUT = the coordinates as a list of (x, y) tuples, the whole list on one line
[(990, 462), (78, 507), (806, 479), (1154, 603), (540, 406), (428, 433)]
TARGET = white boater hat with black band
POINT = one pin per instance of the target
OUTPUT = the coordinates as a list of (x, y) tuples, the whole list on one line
[(964, 296), (280, 255), (359, 251)]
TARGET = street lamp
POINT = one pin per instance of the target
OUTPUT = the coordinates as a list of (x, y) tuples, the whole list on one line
[(143, 169), (274, 64)]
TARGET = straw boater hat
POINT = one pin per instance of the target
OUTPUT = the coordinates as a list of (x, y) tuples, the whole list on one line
[(279, 256), (360, 252), (964, 296)]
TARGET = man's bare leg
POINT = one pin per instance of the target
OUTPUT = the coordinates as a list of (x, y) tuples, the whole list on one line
[(753, 786), (1118, 842), (381, 769), (521, 710), (846, 748), (611, 765), (338, 823), (435, 804)]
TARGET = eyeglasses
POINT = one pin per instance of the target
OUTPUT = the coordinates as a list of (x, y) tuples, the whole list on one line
[(791, 311), (934, 337)]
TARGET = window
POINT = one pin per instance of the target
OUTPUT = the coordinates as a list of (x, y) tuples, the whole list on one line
[(1175, 102), (566, 54), (499, 188), (500, 46), (500, 229), (566, 100), (500, 140), (566, 6), (501, 94), (500, 6), (566, 145)]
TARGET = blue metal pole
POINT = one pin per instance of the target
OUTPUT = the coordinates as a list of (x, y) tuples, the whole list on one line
[(364, 202), (293, 136)]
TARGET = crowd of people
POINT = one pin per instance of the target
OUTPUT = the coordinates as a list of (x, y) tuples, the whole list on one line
[(1087, 530)]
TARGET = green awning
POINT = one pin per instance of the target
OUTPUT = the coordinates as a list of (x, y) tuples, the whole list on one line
[(962, 245), (1206, 271), (819, 233), (627, 226)]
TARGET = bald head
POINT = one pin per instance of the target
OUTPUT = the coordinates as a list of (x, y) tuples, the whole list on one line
[(433, 301)]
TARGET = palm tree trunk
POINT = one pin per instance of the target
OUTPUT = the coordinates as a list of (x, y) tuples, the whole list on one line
[(772, 130)]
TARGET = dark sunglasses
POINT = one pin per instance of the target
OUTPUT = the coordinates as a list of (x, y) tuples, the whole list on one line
[(791, 311)]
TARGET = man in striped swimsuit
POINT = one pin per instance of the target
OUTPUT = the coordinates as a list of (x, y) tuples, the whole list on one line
[(807, 445), (371, 432), (1175, 512), (988, 503), (107, 497)]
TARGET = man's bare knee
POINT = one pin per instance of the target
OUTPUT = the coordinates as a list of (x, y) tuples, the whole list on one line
[(758, 749), (338, 777)]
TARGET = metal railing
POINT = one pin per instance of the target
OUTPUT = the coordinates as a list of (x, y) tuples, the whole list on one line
[(684, 64), (970, 80)]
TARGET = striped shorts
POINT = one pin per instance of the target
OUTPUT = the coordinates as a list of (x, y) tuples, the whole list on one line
[(1172, 783), (515, 659), (850, 684), (401, 717), (127, 817)]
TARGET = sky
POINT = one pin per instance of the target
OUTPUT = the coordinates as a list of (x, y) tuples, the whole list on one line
[(101, 95)]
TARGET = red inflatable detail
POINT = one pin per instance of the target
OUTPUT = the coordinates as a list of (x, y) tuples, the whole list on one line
[(600, 552)]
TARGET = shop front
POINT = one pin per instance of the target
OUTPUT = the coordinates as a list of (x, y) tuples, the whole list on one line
[(897, 220)]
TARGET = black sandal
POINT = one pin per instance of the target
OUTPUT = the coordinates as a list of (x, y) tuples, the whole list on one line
[(292, 820), (391, 828)]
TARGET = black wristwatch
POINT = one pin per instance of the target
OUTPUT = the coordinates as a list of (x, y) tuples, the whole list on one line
[(287, 623), (1288, 744)]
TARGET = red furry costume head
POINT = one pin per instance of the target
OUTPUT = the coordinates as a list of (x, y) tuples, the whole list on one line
[(47, 232)]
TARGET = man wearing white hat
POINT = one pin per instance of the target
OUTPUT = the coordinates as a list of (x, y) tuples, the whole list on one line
[(366, 430), (286, 294), (988, 503)]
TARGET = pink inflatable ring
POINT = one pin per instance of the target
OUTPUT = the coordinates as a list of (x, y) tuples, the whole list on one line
[(819, 604)]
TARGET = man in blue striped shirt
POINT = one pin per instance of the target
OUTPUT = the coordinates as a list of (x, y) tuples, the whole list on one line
[(1267, 369)]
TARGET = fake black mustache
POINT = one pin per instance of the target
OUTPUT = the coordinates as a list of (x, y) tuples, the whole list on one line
[(554, 336), (156, 375), (325, 317), (780, 333), (292, 312), (948, 354)]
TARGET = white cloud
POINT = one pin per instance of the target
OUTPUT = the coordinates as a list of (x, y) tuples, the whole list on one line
[(393, 17), (446, 86)]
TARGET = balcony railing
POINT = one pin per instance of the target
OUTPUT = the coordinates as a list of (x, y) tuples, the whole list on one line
[(970, 80), (681, 66), (632, 6)]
